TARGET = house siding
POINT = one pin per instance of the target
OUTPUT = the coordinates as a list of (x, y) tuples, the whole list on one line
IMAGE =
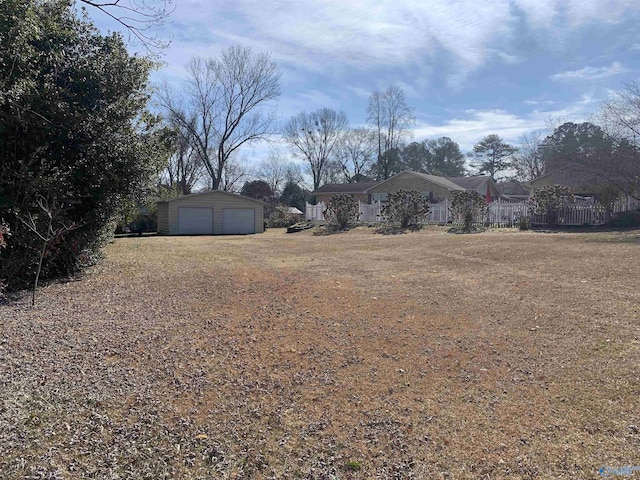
[(163, 218), (361, 197), (407, 181), (538, 183), (216, 200)]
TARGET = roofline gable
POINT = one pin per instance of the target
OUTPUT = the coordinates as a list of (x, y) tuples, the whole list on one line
[(431, 178), (217, 192)]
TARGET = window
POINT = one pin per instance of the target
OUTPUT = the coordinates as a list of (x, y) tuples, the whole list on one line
[(427, 195), (380, 197)]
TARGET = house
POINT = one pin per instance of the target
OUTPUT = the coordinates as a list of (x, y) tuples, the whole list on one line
[(434, 187), (513, 190), (578, 182), (210, 213), (485, 186), (359, 191)]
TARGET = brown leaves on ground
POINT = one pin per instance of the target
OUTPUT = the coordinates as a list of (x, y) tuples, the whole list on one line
[(422, 355)]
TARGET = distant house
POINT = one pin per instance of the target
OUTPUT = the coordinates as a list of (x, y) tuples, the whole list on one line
[(513, 190), (434, 187), (359, 191), (578, 182), (485, 186)]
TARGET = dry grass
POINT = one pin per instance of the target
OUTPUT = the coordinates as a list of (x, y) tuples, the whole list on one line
[(349, 356)]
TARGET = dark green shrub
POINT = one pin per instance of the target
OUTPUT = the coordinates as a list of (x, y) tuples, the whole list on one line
[(74, 129), (279, 218), (626, 220), (469, 207), (405, 207), (342, 211), (524, 223), (549, 200)]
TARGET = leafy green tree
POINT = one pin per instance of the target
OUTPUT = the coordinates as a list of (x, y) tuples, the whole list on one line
[(342, 211), (258, 189), (468, 206), (405, 207), (73, 128), (445, 158), (293, 196), (491, 155), (388, 164), (441, 156), (549, 201), (415, 157), (585, 155)]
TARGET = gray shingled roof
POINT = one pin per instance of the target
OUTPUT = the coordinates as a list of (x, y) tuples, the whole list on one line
[(443, 181), (346, 187), (470, 183)]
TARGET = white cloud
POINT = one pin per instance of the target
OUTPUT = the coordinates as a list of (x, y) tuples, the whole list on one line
[(591, 73), (386, 40), (540, 13), (358, 33), (573, 13), (470, 126)]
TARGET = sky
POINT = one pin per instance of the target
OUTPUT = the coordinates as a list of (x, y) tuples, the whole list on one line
[(468, 67)]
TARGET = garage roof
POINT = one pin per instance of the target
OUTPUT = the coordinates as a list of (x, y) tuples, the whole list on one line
[(213, 192)]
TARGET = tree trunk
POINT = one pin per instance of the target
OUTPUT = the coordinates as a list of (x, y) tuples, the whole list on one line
[(35, 284)]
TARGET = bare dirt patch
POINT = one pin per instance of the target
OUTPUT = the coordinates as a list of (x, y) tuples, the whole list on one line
[(418, 355)]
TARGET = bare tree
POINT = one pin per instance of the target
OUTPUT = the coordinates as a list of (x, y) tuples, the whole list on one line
[(294, 175), (620, 116), (333, 172), (529, 161), (48, 225), (226, 97), (273, 170), (185, 168), (234, 173), (391, 119), (138, 17), (355, 152), (314, 136)]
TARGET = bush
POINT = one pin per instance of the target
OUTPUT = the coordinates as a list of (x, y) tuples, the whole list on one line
[(98, 146), (342, 211), (405, 207), (549, 200), (468, 206), (524, 223), (279, 218), (626, 220)]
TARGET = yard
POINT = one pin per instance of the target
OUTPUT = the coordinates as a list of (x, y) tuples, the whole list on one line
[(349, 356)]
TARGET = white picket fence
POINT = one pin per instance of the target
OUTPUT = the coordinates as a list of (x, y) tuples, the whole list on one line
[(501, 213)]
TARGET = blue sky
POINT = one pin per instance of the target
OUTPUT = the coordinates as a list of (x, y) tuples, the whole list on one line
[(468, 68)]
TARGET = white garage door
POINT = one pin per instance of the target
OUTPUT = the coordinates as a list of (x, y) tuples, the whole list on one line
[(237, 221), (195, 220)]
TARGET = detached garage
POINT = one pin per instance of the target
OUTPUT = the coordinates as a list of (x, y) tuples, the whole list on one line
[(211, 213)]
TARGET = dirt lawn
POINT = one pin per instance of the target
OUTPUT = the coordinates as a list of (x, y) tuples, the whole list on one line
[(350, 356)]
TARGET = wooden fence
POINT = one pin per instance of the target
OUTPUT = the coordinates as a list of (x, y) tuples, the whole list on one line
[(500, 214)]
